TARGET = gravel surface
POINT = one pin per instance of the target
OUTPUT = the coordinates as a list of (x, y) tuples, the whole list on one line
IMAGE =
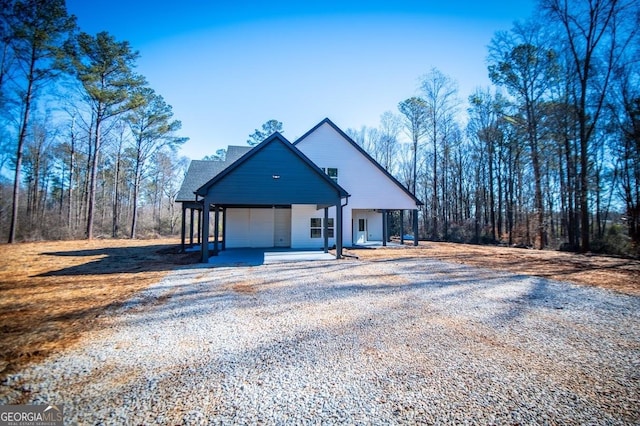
[(400, 341)]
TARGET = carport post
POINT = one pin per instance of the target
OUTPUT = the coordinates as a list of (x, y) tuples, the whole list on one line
[(205, 231), (191, 227), (338, 229), (325, 230), (224, 228), (216, 225), (183, 230), (385, 226), (415, 227), (199, 234), (402, 227)]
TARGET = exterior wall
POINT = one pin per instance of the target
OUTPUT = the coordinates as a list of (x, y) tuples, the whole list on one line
[(369, 187), (250, 227), (301, 215), (255, 227), (273, 175)]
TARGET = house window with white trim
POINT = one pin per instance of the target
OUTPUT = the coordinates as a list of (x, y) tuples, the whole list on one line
[(332, 172), (330, 227), (316, 227)]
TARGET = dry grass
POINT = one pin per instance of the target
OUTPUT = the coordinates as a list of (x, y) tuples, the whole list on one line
[(52, 292), (621, 275)]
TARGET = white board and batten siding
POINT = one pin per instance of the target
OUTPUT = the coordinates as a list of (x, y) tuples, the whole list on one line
[(258, 228), (371, 189), (301, 215)]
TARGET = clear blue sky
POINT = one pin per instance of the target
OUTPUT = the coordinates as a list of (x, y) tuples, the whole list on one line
[(226, 67)]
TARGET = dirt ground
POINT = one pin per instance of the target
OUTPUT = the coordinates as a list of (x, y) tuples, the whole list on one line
[(53, 292), (50, 292)]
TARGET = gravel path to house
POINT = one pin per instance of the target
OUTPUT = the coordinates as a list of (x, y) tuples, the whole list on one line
[(401, 341)]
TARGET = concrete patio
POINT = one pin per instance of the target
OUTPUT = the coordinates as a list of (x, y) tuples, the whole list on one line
[(264, 256)]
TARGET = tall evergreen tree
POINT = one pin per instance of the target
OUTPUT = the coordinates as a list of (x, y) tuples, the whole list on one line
[(153, 129), (521, 62), (36, 31), (104, 66), (268, 128)]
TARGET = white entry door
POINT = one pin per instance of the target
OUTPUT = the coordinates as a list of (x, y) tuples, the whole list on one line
[(361, 230)]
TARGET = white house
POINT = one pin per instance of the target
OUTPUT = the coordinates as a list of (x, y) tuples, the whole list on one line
[(322, 190), (374, 192)]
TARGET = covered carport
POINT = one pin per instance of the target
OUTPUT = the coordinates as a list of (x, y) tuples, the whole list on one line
[(273, 175)]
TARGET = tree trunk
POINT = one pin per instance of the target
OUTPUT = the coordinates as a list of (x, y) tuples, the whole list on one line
[(71, 176), (93, 180), (136, 186), (21, 139), (116, 198)]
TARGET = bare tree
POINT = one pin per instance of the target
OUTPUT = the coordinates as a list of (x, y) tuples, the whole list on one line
[(440, 98), (390, 125), (153, 129), (414, 114), (596, 33)]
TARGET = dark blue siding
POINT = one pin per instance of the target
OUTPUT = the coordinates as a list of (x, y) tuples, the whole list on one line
[(274, 175)]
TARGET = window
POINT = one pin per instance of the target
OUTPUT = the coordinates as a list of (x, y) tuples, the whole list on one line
[(330, 227), (332, 172), (316, 227)]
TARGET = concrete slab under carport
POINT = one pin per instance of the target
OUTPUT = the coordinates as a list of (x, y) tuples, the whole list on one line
[(267, 256)]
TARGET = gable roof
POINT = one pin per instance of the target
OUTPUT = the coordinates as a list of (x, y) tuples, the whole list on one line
[(200, 171), (364, 154), (234, 152), (275, 172)]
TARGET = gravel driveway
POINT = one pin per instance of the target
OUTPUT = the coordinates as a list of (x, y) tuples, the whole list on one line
[(400, 341)]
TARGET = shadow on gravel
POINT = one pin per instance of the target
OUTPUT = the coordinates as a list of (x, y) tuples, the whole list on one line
[(281, 287)]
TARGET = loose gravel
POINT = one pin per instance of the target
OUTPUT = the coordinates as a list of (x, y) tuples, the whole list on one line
[(402, 341)]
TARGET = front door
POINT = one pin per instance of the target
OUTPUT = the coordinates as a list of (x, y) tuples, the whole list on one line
[(361, 231)]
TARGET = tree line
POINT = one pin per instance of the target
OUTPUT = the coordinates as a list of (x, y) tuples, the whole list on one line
[(91, 145), (549, 156)]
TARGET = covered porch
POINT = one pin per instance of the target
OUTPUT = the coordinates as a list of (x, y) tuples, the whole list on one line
[(371, 227), (267, 180)]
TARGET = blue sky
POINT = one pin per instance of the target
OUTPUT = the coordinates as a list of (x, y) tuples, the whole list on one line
[(227, 67)]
